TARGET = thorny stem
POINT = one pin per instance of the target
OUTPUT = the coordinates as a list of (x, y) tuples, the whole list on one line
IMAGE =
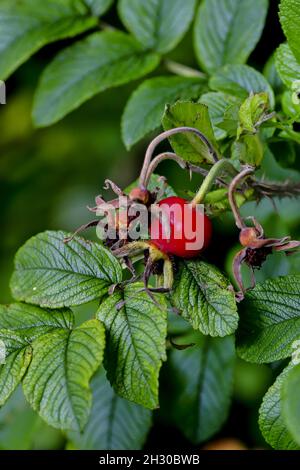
[(155, 142), (268, 189), (203, 172), (209, 180), (182, 163), (261, 188), (182, 70), (231, 195)]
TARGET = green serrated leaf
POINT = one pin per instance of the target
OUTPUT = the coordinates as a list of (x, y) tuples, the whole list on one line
[(240, 81), (248, 149), (291, 402), (26, 26), (51, 273), (251, 112), (287, 65), (218, 103), (158, 24), (270, 320), (204, 298), (30, 321), (16, 355), (230, 120), (57, 382), (100, 61), (227, 31), (136, 335), (201, 379), (20, 324), (114, 423), (188, 145), (145, 108), (271, 421), (289, 13)]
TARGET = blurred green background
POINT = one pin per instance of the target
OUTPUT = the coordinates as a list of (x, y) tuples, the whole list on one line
[(48, 176)]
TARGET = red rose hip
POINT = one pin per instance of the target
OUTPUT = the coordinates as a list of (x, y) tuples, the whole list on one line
[(181, 229)]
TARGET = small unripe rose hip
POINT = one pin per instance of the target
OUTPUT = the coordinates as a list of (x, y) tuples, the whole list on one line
[(182, 223), (139, 194), (248, 235)]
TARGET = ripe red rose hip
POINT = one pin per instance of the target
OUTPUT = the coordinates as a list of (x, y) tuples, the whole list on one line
[(188, 231)]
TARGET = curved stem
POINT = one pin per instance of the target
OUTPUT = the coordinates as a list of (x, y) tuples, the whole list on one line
[(182, 70), (182, 163), (215, 171), (155, 142), (231, 195), (160, 158)]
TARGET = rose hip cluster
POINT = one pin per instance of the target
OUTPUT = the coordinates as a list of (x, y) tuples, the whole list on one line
[(179, 228)]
